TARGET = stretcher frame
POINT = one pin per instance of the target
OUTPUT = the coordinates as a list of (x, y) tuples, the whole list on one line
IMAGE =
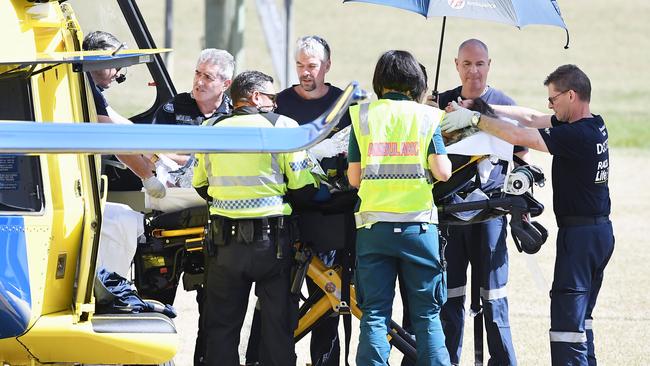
[(324, 303)]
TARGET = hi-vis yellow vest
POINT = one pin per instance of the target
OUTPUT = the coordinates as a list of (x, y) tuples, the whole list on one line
[(250, 185), (396, 182)]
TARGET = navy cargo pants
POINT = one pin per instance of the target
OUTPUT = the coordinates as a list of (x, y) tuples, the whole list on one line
[(583, 251), (484, 246)]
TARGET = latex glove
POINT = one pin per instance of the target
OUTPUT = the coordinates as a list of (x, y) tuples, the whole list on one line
[(458, 119), (154, 187)]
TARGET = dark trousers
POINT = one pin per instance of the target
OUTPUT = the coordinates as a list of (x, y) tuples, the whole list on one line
[(230, 275), (483, 245), (324, 348), (582, 255), (199, 348)]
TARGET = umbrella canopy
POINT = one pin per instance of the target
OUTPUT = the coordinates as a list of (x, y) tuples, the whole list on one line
[(518, 13)]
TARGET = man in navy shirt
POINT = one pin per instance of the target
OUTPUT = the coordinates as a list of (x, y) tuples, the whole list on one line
[(482, 244), (102, 79), (304, 102), (578, 141), (212, 77)]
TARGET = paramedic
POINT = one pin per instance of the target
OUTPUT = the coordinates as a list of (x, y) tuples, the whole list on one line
[(577, 139), (396, 146)]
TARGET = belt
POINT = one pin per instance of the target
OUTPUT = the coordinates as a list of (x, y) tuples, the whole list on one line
[(564, 221), (261, 227)]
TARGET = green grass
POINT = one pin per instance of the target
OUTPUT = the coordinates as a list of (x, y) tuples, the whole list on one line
[(629, 131), (608, 42)]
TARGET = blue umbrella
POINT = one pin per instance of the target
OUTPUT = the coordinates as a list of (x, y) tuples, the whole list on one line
[(518, 13)]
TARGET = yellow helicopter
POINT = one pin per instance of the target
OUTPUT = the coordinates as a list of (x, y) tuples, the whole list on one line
[(52, 191)]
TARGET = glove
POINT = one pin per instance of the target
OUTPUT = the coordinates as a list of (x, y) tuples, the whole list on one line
[(153, 187), (458, 119)]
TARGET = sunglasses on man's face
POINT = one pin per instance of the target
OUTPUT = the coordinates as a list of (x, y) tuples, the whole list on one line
[(551, 100), (270, 96)]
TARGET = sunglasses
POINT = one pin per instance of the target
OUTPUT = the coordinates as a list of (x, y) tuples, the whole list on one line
[(551, 100), (271, 96)]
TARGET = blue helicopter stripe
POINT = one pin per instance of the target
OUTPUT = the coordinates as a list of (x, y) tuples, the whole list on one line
[(15, 297)]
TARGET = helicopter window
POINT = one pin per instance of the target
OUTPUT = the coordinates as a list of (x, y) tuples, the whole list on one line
[(136, 94), (21, 187)]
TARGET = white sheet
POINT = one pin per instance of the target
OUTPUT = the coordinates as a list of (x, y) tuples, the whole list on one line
[(482, 143), (121, 227)]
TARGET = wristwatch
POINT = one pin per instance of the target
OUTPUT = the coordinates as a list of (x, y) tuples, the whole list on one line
[(476, 118)]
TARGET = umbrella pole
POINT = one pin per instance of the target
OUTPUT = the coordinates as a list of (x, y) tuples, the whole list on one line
[(442, 39)]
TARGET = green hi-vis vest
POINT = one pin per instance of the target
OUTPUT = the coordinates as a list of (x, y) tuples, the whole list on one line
[(396, 182), (252, 185)]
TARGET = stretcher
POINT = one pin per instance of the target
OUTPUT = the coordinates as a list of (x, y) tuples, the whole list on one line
[(175, 243)]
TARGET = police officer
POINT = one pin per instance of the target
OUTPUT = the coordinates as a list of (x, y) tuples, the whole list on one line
[(577, 139), (251, 194), (212, 77), (483, 244), (395, 147)]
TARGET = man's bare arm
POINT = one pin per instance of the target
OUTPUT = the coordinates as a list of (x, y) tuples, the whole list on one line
[(140, 165), (116, 117), (526, 116), (516, 135)]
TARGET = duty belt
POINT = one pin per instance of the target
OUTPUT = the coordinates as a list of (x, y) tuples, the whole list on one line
[(565, 221), (261, 228)]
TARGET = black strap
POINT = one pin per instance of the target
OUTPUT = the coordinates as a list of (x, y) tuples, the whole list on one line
[(518, 160)]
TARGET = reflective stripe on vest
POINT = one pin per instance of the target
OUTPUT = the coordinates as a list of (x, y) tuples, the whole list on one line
[(395, 171), (247, 203), (233, 181), (363, 118), (276, 178), (367, 218)]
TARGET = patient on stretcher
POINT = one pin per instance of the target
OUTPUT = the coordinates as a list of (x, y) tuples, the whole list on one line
[(476, 104)]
